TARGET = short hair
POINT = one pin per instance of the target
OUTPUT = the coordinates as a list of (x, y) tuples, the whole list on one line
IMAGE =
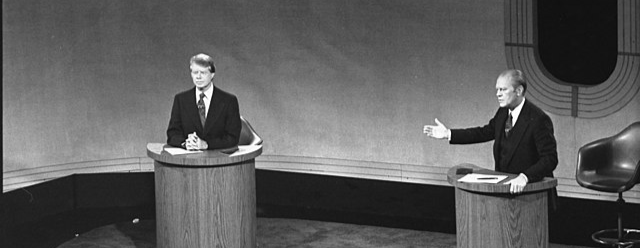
[(516, 78), (203, 60)]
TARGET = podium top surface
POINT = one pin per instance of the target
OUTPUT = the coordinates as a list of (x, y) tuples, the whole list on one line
[(206, 158), (545, 184)]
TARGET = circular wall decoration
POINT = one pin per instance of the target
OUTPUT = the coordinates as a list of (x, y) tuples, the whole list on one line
[(567, 99)]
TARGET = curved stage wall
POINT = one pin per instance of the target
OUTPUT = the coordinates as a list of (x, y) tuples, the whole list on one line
[(334, 87)]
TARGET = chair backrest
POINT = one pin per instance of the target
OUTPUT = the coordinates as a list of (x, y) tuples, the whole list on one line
[(611, 164), (248, 136), (626, 147)]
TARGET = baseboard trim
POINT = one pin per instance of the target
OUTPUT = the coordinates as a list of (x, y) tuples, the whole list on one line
[(279, 195), (395, 172), (12, 180)]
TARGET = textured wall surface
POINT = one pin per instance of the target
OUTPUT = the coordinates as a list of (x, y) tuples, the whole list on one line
[(351, 80)]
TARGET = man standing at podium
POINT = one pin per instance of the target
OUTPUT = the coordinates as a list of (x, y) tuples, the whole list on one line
[(204, 117), (524, 143)]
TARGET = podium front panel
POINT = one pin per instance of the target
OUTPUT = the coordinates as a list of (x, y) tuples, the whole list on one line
[(206, 199), (205, 206), (488, 215), (501, 220)]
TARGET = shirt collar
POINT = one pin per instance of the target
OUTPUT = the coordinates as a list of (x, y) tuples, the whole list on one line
[(208, 92)]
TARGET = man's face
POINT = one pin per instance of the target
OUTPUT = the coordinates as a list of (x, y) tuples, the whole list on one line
[(201, 76), (507, 95)]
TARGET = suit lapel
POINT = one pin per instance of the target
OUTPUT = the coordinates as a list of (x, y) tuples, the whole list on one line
[(519, 129), (192, 109), (501, 118), (215, 109)]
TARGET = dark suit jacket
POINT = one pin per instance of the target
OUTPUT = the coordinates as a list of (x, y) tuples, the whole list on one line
[(535, 153), (222, 127)]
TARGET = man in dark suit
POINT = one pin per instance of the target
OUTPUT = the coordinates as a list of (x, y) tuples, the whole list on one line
[(524, 143), (204, 117)]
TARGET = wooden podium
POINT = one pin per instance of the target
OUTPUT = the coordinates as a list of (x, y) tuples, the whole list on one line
[(205, 199), (487, 215)]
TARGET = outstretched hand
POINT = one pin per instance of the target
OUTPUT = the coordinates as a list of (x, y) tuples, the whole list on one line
[(440, 131)]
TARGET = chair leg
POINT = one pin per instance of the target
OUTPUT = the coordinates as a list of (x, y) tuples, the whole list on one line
[(620, 202), (621, 241)]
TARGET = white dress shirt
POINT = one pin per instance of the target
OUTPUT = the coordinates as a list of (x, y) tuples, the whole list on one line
[(207, 98), (515, 113)]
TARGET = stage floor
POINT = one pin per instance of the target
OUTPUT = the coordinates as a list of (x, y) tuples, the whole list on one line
[(274, 232)]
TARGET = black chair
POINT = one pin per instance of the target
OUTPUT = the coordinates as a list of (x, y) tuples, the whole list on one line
[(248, 136), (612, 165)]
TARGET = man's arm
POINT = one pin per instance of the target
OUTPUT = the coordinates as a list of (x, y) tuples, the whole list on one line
[(462, 136), (175, 133), (547, 150), (548, 156), (232, 128), (474, 134)]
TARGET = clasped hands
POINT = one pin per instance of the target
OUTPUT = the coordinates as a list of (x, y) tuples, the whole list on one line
[(194, 142), (440, 131)]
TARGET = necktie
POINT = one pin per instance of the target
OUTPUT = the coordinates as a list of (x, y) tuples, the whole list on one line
[(508, 125), (202, 109)]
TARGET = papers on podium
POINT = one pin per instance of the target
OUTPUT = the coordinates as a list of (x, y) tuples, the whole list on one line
[(481, 178), (179, 151)]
